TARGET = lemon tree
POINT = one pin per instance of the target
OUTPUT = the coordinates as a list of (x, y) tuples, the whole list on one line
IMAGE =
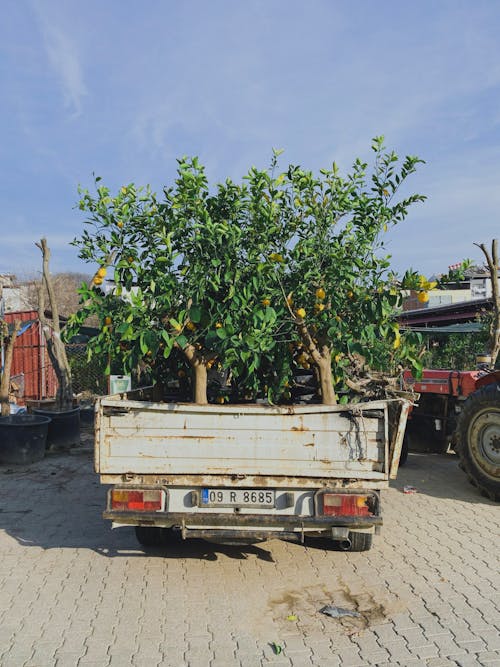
[(181, 286), (332, 272), (249, 281)]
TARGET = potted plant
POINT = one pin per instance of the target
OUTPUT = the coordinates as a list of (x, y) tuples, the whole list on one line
[(22, 437)]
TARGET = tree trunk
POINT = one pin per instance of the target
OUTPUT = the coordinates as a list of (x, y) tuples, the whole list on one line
[(322, 357), (492, 261), (199, 366), (52, 333), (200, 384), (328, 396), (5, 383)]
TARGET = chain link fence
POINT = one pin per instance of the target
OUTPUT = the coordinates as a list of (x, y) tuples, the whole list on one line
[(87, 376)]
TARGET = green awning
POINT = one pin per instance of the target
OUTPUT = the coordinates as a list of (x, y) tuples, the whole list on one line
[(465, 327)]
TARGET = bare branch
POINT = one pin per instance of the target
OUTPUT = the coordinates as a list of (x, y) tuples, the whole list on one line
[(493, 266)]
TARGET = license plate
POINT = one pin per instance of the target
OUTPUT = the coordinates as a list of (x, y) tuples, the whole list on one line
[(237, 498)]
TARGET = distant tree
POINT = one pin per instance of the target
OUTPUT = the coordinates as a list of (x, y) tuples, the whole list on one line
[(66, 286)]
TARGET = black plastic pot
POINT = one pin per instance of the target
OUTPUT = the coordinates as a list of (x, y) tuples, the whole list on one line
[(87, 415), (305, 395), (64, 428), (23, 438)]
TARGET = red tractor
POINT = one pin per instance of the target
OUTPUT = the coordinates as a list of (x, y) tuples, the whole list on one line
[(461, 408)]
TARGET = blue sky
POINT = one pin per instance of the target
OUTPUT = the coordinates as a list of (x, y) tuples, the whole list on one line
[(122, 88)]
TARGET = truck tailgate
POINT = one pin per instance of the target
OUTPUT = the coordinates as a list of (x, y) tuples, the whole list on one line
[(136, 437)]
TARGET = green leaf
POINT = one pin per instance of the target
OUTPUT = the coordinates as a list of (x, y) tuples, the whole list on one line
[(181, 341), (143, 343), (195, 314)]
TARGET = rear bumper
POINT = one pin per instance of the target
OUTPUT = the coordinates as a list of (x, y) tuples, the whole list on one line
[(257, 526)]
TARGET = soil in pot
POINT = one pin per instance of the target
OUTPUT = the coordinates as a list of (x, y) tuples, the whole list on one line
[(23, 438)]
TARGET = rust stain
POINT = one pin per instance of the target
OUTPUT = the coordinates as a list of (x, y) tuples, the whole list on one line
[(299, 428), (325, 461), (309, 444)]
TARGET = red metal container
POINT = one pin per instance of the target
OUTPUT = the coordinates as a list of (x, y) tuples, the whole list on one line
[(31, 365)]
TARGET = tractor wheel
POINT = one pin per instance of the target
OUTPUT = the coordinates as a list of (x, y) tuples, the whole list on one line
[(478, 440)]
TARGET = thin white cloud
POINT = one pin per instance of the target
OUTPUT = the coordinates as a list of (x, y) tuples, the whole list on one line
[(64, 59)]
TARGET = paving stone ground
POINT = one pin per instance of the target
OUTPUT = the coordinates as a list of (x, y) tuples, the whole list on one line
[(75, 593)]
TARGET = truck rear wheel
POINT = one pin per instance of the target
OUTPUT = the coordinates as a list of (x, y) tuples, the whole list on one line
[(478, 440), (360, 541), (150, 536)]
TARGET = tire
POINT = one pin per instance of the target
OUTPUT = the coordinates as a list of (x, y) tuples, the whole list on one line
[(360, 541), (150, 536), (478, 440)]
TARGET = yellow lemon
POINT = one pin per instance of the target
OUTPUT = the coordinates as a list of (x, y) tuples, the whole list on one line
[(266, 302), (276, 257), (97, 280), (423, 297), (107, 320), (218, 325), (102, 272), (319, 307), (320, 293), (119, 224), (300, 312)]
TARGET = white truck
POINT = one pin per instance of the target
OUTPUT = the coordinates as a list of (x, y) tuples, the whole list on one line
[(247, 473)]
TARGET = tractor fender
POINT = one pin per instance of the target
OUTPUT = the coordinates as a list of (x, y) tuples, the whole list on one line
[(490, 378)]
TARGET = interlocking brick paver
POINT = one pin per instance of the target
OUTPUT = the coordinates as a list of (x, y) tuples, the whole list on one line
[(75, 593)]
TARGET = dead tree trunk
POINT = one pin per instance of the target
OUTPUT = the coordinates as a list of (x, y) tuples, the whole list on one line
[(52, 333), (9, 353), (493, 266)]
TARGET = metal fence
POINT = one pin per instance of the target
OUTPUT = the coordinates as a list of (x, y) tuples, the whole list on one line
[(87, 376)]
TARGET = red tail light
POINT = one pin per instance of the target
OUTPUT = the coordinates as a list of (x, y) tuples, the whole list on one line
[(142, 500), (343, 504)]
